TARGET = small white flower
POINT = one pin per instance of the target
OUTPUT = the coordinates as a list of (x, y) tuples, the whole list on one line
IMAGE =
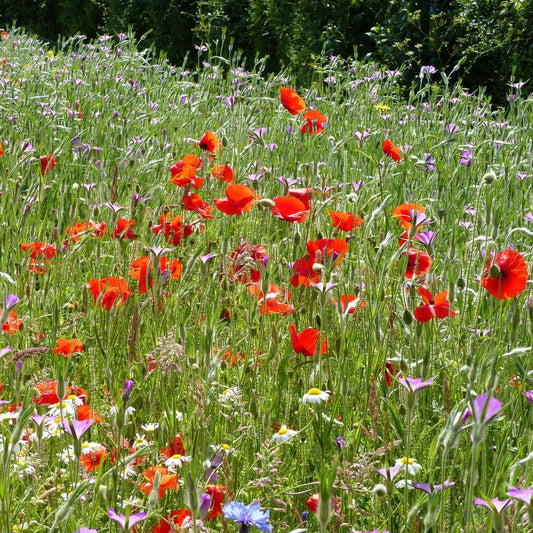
[(150, 428), (140, 441), (176, 461), (177, 414), (315, 395), (410, 465), (68, 407), (284, 434)]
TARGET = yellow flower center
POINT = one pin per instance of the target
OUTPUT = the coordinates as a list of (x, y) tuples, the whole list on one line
[(407, 461), (176, 456), (283, 431), (314, 392), (226, 447)]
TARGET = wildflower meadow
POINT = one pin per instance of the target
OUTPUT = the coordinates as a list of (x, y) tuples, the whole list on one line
[(231, 304)]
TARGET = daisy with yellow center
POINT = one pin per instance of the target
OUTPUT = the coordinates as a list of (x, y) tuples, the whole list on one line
[(315, 395)]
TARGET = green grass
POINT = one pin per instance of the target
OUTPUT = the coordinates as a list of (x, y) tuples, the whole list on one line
[(139, 116)]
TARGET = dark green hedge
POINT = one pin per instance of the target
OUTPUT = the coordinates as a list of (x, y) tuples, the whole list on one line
[(487, 40)]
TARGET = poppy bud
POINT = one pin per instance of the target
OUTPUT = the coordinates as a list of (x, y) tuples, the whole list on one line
[(402, 409), (297, 238), (318, 321), (461, 283), (319, 267), (380, 490), (489, 177), (266, 202), (494, 271), (407, 317)]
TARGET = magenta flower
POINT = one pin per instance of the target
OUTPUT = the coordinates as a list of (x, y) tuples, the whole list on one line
[(523, 495), (414, 384), (430, 489), (126, 522), (485, 408), (494, 504), (529, 396), (77, 428), (390, 473)]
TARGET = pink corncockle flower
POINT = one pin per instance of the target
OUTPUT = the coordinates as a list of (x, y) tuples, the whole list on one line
[(529, 396), (391, 472), (126, 522), (430, 489), (486, 408), (523, 495), (77, 428), (494, 504), (414, 384)]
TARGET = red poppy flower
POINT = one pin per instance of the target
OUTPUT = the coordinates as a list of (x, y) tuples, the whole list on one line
[(350, 304), (12, 324), (437, 306), (506, 275), (292, 101), (167, 481), (210, 142), (404, 214), (48, 162), (231, 358), (184, 172), (38, 249), (48, 393), (312, 503), (244, 259), (192, 202), (315, 122), (331, 248), (124, 229), (271, 303), (176, 447), (239, 198), (418, 263), (345, 221), (142, 269), (319, 251), (172, 228), (223, 173), (173, 522), (68, 347), (217, 493), (290, 209), (391, 150), (109, 291), (97, 229), (86, 412), (305, 342), (92, 458), (391, 369)]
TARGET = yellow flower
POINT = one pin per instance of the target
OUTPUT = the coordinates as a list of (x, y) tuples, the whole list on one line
[(381, 107)]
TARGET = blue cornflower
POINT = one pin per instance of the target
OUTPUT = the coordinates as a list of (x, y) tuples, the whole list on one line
[(248, 515)]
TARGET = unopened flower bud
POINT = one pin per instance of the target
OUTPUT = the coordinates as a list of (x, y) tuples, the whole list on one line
[(266, 202), (489, 177), (126, 391)]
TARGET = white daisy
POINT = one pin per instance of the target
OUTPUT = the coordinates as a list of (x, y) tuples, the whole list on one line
[(284, 434), (176, 461), (315, 395)]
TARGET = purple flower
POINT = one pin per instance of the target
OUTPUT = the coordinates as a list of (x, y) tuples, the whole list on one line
[(86, 530), (529, 396), (248, 515), (339, 442), (494, 504), (523, 495), (466, 158), (485, 408), (427, 70), (205, 258), (77, 428), (390, 473), (451, 128), (126, 522), (126, 390), (528, 217), (426, 238), (205, 505), (324, 287), (11, 301), (5, 351), (362, 135), (430, 489), (414, 384)]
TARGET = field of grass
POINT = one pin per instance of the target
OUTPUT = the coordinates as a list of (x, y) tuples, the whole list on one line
[(326, 313)]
